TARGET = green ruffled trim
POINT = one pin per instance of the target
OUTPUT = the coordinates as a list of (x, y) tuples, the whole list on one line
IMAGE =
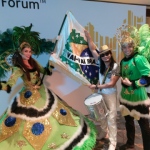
[(90, 143)]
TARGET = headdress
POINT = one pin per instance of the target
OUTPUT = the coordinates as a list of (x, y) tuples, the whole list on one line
[(104, 49), (140, 37), (24, 45), (127, 34)]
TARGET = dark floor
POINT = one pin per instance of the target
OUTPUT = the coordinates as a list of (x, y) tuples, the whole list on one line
[(121, 137)]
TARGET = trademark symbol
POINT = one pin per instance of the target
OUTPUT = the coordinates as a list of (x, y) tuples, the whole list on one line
[(42, 1)]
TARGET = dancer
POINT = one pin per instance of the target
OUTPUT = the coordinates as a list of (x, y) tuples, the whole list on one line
[(108, 77), (135, 75), (37, 119)]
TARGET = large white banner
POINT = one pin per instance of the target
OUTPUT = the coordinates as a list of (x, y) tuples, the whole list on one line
[(46, 16)]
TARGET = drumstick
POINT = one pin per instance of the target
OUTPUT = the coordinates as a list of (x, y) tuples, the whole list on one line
[(85, 84)]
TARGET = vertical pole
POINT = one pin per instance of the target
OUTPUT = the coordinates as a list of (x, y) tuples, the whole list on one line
[(55, 45)]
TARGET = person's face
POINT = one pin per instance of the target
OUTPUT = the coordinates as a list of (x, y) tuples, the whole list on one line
[(128, 50), (106, 56), (27, 53)]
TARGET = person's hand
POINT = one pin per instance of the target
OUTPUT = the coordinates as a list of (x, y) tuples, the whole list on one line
[(58, 37), (87, 34), (92, 86), (126, 81)]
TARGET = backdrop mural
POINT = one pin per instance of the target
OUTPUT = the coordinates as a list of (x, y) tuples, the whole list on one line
[(44, 18)]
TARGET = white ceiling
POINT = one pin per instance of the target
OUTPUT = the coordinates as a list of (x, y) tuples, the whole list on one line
[(135, 2)]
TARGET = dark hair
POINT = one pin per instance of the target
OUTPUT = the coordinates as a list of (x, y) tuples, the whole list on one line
[(18, 61), (102, 64)]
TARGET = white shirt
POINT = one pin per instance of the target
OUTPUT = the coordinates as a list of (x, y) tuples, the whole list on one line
[(114, 71)]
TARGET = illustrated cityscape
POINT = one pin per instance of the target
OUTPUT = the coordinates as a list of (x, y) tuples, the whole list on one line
[(112, 41)]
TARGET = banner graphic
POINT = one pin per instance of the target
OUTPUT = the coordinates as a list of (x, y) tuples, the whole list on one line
[(72, 55)]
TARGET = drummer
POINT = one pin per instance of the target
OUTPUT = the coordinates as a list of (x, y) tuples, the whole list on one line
[(109, 74)]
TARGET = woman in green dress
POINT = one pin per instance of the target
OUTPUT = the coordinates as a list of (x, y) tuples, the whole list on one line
[(38, 119)]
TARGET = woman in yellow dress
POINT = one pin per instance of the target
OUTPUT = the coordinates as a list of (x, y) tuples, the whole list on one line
[(38, 119)]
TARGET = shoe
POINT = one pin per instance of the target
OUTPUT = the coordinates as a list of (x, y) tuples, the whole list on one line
[(111, 147), (105, 146), (126, 146)]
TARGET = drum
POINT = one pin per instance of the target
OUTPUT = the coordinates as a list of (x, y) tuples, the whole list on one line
[(96, 106)]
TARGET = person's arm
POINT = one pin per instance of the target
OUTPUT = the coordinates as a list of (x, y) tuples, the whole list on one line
[(45, 70), (114, 78), (144, 68), (91, 45), (110, 84), (6, 86)]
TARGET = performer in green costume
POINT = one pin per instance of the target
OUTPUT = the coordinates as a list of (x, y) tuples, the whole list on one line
[(135, 73), (37, 119)]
